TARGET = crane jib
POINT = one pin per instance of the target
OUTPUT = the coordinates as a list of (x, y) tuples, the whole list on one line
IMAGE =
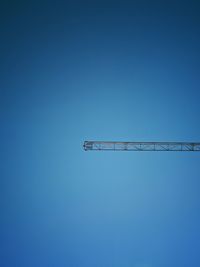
[(141, 146)]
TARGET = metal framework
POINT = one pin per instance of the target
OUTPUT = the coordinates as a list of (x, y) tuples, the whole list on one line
[(141, 146)]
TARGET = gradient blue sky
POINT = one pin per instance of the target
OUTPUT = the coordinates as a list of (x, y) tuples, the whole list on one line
[(101, 70)]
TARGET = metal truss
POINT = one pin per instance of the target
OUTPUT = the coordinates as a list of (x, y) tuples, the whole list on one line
[(141, 146)]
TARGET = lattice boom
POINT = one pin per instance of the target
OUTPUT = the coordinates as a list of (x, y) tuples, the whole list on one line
[(141, 146)]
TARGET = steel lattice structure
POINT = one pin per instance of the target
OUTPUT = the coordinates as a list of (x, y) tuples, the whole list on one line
[(141, 146)]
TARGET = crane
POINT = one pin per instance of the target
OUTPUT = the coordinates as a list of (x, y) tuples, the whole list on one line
[(141, 146)]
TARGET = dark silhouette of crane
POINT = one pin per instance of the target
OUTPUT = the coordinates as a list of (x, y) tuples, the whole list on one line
[(141, 146)]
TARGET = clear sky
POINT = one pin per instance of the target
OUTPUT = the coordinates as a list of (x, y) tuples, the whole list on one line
[(99, 70)]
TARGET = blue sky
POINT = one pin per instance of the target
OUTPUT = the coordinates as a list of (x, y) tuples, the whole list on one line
[(95, 70)]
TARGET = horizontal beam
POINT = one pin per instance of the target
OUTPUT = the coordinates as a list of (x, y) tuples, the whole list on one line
[(141, 146)]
